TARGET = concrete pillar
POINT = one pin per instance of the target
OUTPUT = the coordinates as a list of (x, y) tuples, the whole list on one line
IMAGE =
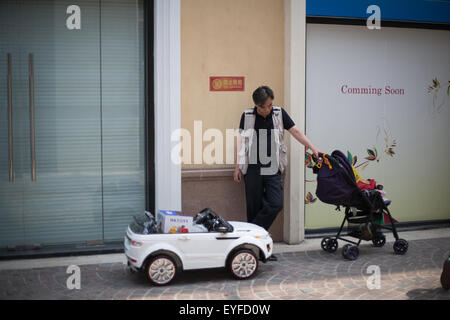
[(295, 87), (167, 79)]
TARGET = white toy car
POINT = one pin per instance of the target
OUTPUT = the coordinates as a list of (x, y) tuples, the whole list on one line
[(236, 245)]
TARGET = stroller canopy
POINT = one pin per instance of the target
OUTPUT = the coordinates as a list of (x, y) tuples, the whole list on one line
[(336, 184)]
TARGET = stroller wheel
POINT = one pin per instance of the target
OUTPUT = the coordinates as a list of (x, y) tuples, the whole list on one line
[(329, 245), (379, 240), (400, 246), (324, 243), (332, 245), (350, 252)]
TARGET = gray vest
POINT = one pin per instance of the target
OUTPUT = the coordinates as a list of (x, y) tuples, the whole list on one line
[(247, 140)]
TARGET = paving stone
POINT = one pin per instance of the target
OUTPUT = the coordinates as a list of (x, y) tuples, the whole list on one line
[(298, 275)]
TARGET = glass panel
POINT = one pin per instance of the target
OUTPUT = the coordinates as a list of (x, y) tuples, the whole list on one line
[(11, 192), (89, 121), (122, 42), (64, 204)]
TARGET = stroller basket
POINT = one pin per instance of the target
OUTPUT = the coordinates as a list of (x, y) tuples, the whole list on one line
[(364, 210)]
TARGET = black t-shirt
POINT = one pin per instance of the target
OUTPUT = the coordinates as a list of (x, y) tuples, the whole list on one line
[(265, 123)]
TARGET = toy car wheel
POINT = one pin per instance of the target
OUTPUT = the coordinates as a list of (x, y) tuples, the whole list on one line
[(401, 246), (243, 264), (350, 252), (161, 270), (379, 240)]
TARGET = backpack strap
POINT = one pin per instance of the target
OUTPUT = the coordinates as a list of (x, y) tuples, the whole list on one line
[(249, 120), (279, 116)]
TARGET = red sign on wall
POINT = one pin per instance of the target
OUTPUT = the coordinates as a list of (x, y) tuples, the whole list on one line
[(226, 83)]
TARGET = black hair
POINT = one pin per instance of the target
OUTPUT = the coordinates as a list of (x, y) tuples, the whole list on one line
[(261, 95)]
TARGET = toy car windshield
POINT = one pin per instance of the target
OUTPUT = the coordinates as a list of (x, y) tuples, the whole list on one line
[(212, 221)]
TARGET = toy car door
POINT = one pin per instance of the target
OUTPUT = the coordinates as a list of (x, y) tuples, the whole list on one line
[(203, 250)]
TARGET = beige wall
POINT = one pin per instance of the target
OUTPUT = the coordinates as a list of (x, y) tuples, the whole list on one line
[(228, 38)]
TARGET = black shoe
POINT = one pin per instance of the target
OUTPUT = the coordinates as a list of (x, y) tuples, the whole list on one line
[(272, 258), (445, 277)]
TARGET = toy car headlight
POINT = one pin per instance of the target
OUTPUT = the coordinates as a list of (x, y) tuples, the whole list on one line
[(135, 243)]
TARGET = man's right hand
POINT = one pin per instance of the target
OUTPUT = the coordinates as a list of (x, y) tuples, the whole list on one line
[(237, 175)]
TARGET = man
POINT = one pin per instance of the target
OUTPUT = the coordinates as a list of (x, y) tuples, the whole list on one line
[(262, 156)]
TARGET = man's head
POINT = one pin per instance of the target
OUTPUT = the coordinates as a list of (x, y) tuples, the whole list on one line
[(263, 98)]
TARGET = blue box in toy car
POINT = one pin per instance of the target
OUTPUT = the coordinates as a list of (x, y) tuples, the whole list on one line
[(169, 221)]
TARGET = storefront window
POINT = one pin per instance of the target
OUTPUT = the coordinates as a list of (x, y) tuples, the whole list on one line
[(72, 120)]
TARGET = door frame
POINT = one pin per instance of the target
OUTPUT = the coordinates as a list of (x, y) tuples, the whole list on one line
[(149, 105)]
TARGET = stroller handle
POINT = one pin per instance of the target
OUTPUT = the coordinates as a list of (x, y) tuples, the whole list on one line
[(329, 157), (324, 155)]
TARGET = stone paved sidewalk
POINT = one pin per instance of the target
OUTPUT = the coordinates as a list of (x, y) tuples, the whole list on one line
[(297, 275)]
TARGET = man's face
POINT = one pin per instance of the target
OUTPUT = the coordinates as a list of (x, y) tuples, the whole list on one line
[(266, 108)]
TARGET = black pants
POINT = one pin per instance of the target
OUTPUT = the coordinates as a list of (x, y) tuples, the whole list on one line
[(264, 198)]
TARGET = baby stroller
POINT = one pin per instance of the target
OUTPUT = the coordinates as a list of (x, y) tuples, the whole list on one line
[(364, 210)]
